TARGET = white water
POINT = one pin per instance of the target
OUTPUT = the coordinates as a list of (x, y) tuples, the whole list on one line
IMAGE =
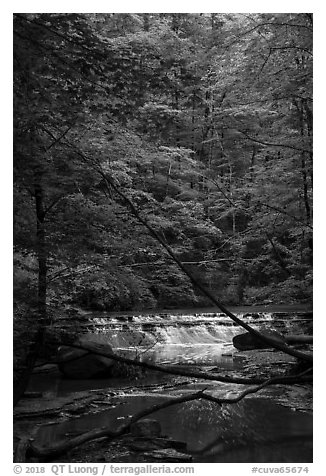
[(202, 338)]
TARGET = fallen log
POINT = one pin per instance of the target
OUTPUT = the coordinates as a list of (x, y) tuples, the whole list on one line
[(61, 447), (174, 370)]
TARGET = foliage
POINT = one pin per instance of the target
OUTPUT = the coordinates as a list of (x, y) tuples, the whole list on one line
[(112, 290), (204, 120)]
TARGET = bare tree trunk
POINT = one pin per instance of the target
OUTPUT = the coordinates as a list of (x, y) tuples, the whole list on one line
[(276, 344), (193, 112), (41, 246), (305, 131), (146, 21), (168, 179), (279, 258)]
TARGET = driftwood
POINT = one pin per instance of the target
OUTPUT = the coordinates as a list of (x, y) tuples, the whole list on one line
[(194, 374), (64, 446)]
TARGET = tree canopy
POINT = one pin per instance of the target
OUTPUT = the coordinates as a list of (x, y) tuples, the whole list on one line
[(203, 120)]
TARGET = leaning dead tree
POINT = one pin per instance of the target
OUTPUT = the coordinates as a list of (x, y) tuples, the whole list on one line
[(28, 445), (93, 348), (110, 184), (61, 447)]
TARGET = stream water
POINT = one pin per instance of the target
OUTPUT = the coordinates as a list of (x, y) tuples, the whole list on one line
[(257, 429)]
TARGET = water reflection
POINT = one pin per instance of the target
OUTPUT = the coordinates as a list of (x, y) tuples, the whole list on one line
[(254, 430), (246, 431), (190, 354)]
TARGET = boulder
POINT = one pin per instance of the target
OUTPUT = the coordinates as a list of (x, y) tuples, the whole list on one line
[(168, 455), (82, 364), (147, 428), (248, 341)]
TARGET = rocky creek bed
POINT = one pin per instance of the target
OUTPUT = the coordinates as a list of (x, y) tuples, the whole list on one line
[(48, 418)]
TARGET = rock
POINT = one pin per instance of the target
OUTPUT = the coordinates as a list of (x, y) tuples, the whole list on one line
[(148, 444), (82, 364), (169, 455), (147, 428), (248, 341), (254, 315), (143, 444)]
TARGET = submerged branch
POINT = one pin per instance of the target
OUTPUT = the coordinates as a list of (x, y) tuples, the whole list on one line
[(64, 446)]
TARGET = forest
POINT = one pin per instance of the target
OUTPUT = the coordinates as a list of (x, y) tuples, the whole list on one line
[(161, 161), (203, 120)]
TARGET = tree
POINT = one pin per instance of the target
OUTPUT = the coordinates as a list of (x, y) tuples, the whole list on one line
[(203, 122)]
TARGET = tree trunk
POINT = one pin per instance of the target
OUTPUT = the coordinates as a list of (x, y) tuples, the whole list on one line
[(146, 21), (41, 246), (288, 350), (41, 314), (278, 257), (305, 131)]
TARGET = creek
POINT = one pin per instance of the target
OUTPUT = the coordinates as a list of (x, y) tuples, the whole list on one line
[(272, 426)]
